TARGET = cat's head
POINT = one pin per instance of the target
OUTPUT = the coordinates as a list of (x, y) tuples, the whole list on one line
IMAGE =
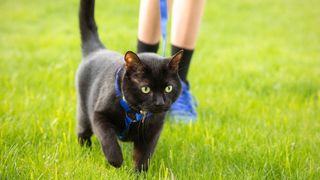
[(151, 82)]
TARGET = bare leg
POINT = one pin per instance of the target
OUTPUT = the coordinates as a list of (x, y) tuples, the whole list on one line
[(186, 18), (149, 22)]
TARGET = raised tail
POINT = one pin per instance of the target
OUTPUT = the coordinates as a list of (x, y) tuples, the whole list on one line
[(89, 32)]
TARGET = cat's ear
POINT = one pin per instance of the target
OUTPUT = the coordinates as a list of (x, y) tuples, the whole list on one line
[(175, 59), (132, 61)]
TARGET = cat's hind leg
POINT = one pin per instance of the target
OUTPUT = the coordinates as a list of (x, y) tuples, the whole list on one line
[(84, 130)]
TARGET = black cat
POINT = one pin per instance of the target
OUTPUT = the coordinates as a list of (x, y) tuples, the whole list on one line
[(123, 97)]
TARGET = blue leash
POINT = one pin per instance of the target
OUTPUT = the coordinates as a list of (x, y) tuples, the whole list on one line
[(137, 116), (164, 22)]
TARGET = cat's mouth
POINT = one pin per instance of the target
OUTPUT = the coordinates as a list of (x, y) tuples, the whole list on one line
[(156, 109), (152, 108)]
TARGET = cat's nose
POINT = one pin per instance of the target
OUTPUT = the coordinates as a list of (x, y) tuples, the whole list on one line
[(159, 101)]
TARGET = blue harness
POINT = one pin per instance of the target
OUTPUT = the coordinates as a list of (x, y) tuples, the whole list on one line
[(131, 115)]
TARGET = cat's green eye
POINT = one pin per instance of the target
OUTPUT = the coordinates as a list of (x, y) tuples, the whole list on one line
[(168, 89), (145, 89)]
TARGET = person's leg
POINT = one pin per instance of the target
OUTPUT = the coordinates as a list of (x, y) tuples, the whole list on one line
[(149, 26), (186, 18)]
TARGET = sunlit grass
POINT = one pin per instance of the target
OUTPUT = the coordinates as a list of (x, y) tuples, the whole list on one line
[(255, 74)]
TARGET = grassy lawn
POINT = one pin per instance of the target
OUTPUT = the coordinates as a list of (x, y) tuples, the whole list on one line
[(255, 74)]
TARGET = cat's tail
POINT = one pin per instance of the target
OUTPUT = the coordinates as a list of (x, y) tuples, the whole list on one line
[(90, 41)]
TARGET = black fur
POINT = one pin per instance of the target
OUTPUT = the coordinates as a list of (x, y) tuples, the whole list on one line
[(88, 28), (98, 109)]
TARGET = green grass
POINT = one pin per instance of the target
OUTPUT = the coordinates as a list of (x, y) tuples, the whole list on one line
[(255, 73)]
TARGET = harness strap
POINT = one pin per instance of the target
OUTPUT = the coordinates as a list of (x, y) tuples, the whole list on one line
[(138, 116)]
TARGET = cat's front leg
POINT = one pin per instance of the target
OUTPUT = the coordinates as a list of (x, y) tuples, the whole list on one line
[(107, 136), (144, 148)]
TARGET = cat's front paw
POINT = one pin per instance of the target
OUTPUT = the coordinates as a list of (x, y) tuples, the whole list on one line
[(141, 167), (114, 158), (115, 162)]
